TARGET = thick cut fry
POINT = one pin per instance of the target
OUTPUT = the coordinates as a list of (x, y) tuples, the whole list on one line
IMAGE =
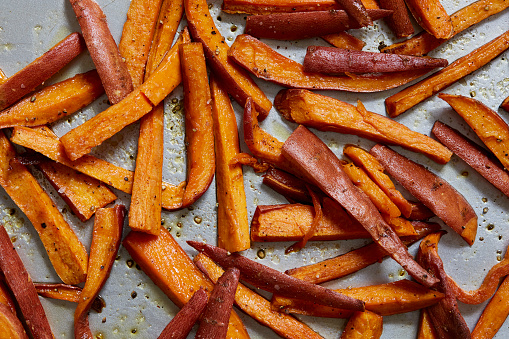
[(424, 42), (65, 251), (20, 283), (434, 192), (54, 102), (107, 234), (169, 267), (103, 49), (258, 307), (355, 260), (80, 140), (426, 329), (199, 125), (41, 69), (399, 21), (115, 176), (236, 81), (431, 15), (344, 40), (363, 325), (302, 25), (81, 193), (274, 281), (265, 63), (279, 6), (10, 326), (318, 164), (232, 221), (386, 299), (411, 96)]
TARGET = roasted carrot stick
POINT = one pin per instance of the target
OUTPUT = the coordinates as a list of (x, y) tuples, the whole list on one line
[(344, 40), (278, 6), (103, 50), (399, 21), (41, 69), (363, 325), (11, 326), (432, 16)]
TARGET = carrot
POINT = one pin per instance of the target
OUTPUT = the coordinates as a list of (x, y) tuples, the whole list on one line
[(10, 327), (317, 163), (344, 40), (54, 102), (41, 69), (363, 325), (432, 16), (279, 6), (20, 283), (411, 96), (265, 63), (274, 281), (302, 25), (399, 21), (426, 329), (433, 191), (331, 60), (180, 326), (103, 49)]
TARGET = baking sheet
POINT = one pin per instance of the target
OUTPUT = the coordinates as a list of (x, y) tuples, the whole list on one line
[(28, 28)]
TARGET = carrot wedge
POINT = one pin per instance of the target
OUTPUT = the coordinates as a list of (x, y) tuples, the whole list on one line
[(318, 164), (258, 307), (363, 325), (274, 281), (20, 283), (171, 269), (411, 96), (433, 191), (41, 69), (432, 16), (265, 63)]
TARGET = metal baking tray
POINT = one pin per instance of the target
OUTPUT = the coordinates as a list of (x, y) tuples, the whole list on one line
[(29, 27)]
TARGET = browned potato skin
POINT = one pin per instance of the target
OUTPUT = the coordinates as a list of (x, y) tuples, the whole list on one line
[(433, 191)]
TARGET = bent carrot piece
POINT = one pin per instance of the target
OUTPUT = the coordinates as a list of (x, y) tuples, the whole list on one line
[(278, 6), (265, 63), (355, 260), (328, 114), (106, 238), (180, 326), (41, 69), (399, 21), (432, 16), (103, 50), (424, 42), (10, 325), (318, 164), (385, 299), (232, 220), (274, 281), (344, 40), (54, 102), (258, 307), (199, 125), (363, 325), (171, 269), (411, 96), (115, 176), (426, 329), (236, 81), (20, 283), (6, 298)]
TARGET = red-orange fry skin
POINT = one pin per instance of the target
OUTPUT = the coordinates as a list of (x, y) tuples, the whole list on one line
[(399, 21)]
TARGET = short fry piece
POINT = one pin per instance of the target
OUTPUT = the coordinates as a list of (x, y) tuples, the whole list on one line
[(59, 291), (432, 16), (10, 326), (363, 325), (344, 40)]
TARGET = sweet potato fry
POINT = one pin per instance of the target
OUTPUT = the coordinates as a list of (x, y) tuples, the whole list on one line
[(363, 325), (318, 164), (258, 307), (265, 63), (6, 296), (20, 283), (426, 329), (278, 6), (103, 49), (344, 40), (54, 102), (411, 96), (420, 211), (170, 268), (180, 326), (274, 281), (107, 234), (331, 60), (41, 69), (432, 16), (356, 10), (505, 104), (65, 292), (424, 42), (234, 79), (291, 187), (303, 25), (10, 326), (355, 260), (433, 191), (328, 114), (386, 299), (232, 222), (399, 21)]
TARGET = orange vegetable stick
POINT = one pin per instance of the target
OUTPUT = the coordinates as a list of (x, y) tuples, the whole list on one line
[(265, 63), (6, 298), (426, 329), (411, 96), (258, 307), (232, 221), (279, 6), (363, 325), (344, 40), (432, 16), (41, 69), (170, 268), (10, 326), (54, 102), (59, 291)]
